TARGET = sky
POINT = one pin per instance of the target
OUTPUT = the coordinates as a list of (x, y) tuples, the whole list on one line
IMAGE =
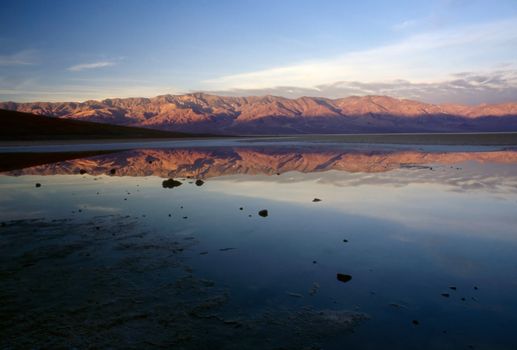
[(443, 51)]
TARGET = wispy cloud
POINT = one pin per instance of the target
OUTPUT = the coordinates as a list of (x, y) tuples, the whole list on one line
[(421, 58), (24, 57), (405, 24), (93, 65)]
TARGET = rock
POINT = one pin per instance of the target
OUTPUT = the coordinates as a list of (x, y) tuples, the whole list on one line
[(343, 278), (171, 183), (445, 295), (345, 240), (113, 171), (38, 184), (475, 288), (263, 213), (314, 261), (226, 249), (199, 182), (316, 200), (452, 288), (415, 322), (82, 171), (241, 208)]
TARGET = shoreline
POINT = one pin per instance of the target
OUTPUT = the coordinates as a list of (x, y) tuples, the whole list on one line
[(438, 141)]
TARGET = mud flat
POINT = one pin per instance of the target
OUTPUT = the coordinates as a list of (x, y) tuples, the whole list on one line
[(108, 282)]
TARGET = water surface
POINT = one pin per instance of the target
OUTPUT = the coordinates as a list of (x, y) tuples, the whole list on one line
[(364, 246)]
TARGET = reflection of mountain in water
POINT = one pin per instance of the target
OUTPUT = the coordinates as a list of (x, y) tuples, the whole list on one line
[(204, 163)]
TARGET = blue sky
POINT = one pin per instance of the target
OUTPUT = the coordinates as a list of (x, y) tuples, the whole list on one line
[(436, 51)]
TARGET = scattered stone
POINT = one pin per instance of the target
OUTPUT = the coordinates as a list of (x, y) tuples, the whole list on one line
[(314, 261), (82, 171), (170, 215), (38, 184), (463, 299), (199, 182), (343, 278), (171, 183), (241, 208), (415, 322), (263, 213), (185, 217), (452, 288), (316, 200), (475, 288), (445, 295), (345, 240)]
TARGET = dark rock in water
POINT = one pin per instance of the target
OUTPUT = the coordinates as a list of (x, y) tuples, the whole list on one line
[(226, 249), (463, 299), (185, 217), (343, 278), (241, 208), (3, 224), (97, 228), (38, 184), (452, 288), (314, 261), (171, 183), (199, 182), (82, 171), (113, 171), (203, 253), (475, 288), (249, 215), (170, 215), (316, 200), (415, 322), (345, 240), (263, 213), (445, 295)]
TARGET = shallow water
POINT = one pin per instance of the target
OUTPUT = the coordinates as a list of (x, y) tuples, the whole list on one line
[(112, 258)]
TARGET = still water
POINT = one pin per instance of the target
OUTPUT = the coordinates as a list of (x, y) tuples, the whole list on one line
[(363, 247)]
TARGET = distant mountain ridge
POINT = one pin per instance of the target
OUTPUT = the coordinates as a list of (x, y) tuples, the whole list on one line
[(200, 112)]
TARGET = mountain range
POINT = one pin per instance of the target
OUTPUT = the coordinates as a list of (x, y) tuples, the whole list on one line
[(269, 115)]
